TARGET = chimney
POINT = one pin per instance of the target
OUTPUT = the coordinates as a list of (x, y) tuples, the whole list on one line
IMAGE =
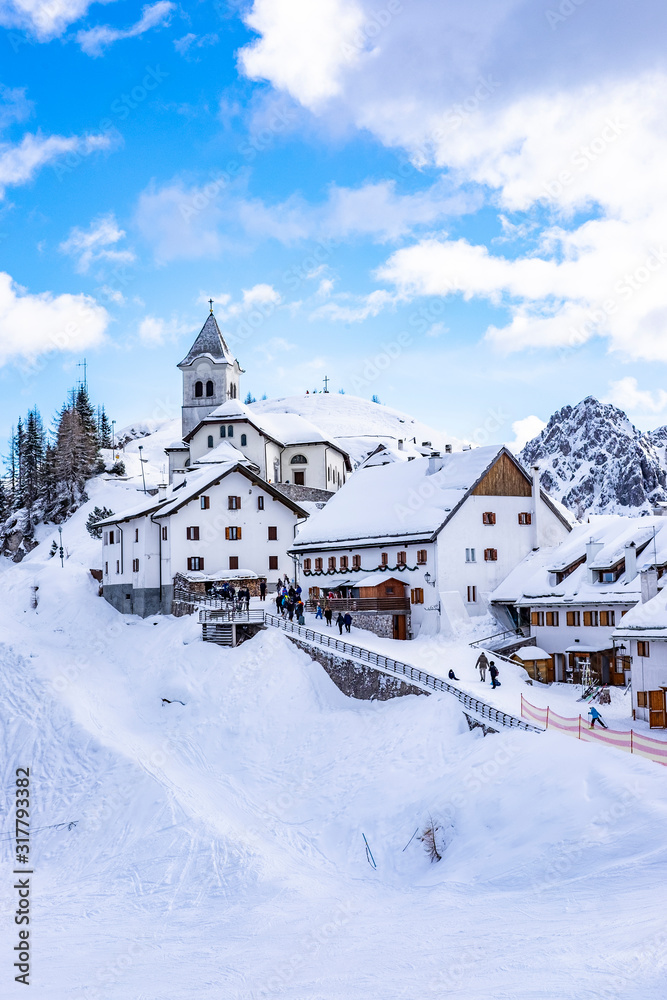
[(649, 583), (536, 504), (448, 449), (630, 561), (592, 549), (434, 463), (466, 447), (162, 492)]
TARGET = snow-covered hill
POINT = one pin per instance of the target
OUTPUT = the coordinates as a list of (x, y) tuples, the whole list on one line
[(594, 460)]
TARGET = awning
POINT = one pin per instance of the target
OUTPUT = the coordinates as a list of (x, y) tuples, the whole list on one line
[(580, 647)]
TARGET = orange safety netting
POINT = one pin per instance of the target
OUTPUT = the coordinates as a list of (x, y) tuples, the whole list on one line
[(630, 741)]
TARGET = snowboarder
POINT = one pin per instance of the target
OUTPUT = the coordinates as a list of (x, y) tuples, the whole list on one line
[(452, 676), (328, 614), (262, 590), (482, 665), (596, 717), (318, 613), (348, 621), (493, 670), (340, 621)]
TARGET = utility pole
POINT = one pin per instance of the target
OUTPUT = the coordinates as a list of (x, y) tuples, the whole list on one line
[(113, 435), (84, 364), (143, 461), (62, 551)]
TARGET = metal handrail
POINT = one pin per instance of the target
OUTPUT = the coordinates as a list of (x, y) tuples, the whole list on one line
[(398, 668), (519, 631), (223, 615)]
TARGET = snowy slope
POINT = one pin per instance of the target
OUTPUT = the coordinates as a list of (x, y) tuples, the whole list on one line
[(218, 846), (594, 460)]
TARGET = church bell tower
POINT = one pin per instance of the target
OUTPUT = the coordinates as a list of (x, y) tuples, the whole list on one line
[(211, 376)]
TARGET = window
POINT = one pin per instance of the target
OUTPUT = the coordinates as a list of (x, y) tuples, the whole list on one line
[(421, 557), (205, 502), (607, 618), (401, 558), (273, 562), (470, 555), (343, 563), (136, 534), (232, 391), (537, 618), (209, 441), (318, 565), (192, 534), (306, 565), (490, 555), (642, 697), (356, 562), (472, 595), (223, 431), (199, 390), (552, 618), (244, 440), (609, 576), (118, 565), (164, 533), (230, 430), (417, 596), (388, 590), (525, 518), (233, 562), (273, 533), (209, 388), (298, 460), (643, 648), (233, 534), (260, 503), (233, 503), (111, 538), (196, 563), (106, 569), (590, 618), (135, 565), (332, 562), (488, 517), (106, 538), (573, 618), (384, 559)]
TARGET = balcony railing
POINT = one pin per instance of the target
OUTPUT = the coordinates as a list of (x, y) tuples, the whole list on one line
[(386, 605)]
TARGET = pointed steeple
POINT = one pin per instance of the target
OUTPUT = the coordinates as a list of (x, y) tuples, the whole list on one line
[(209, 342)]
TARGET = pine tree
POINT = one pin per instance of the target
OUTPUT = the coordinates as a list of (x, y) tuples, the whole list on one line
[(89, 444), (32, 459), (5, 508), (250, 398), (103, 428)]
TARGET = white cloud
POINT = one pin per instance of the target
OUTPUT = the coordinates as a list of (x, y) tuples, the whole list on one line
[(155, 331), (261, 294), (97, 244), (182, 222), (31, 325), (626, 394), (364, 307), (94, 41), (20, 162), (43, 20), (524, 431), (186, 45), (14, 105), (437, 330)]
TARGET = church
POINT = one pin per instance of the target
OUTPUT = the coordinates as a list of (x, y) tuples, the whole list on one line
[(217, 427)]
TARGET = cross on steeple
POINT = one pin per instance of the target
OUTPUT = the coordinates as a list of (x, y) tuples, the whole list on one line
[(326, 383), (210, 302)]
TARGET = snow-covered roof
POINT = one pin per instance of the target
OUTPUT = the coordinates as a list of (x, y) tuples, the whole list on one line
[(410, 499), (648, 619), (375, 579), (209, 342), (223, 452), (533, 581), (529, 653)]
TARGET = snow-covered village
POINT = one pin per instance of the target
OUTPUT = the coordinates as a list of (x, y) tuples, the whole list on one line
[(333, 508)]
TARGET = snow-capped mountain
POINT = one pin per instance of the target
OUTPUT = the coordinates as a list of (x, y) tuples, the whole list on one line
[(594, 460)]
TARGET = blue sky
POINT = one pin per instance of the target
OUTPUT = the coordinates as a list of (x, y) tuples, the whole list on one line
[(457, 207)]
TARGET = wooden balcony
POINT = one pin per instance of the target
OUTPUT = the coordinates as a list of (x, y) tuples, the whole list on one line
[(380, 605)]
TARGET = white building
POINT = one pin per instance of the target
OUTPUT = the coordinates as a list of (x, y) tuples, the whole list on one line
[(641, 645), (450, 527), (221, 522), (283, 447), (574, 596)]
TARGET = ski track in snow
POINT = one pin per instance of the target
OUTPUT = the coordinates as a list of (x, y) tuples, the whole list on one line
[(218, 846)]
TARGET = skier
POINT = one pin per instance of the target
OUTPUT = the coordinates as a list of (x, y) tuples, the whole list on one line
[(262, 590), (318, 613), (493, 670), (328, 614), (452, 676), (596, 717), (348, 621), (340, 621), (482, 665)]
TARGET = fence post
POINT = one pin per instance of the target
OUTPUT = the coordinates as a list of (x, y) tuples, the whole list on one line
[(547, 720), (631, 744), (579, 736)]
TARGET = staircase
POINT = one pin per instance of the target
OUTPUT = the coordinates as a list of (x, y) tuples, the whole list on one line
[(218, 631)]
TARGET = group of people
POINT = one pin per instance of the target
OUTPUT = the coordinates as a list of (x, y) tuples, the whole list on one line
[(239, 599), (289, 603), (342, 621), (483, 664)]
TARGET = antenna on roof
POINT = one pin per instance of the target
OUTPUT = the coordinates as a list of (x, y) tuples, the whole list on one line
[(210, 302)]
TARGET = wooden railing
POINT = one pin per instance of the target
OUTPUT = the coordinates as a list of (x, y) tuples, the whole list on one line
[(344, 604)]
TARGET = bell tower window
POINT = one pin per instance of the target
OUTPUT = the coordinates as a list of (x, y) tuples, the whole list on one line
[(209, 388), (199, 390)]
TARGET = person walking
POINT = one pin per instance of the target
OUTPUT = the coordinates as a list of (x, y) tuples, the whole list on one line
[(290, 610), (348, 621), (493, 670), (318, 613), (482, 665), (262, 590), (596, 717), (328, 614), (340, 621)]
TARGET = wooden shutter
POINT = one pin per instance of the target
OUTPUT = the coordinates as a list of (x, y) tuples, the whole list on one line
[(656, 709)]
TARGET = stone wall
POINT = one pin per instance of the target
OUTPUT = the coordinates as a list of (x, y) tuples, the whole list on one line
[(382, 625), (356, 679)]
